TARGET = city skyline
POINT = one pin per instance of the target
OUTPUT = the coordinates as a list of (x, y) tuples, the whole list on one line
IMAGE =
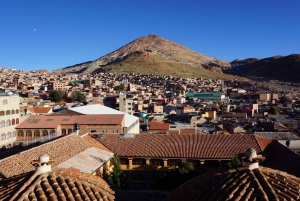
[(42, 35)]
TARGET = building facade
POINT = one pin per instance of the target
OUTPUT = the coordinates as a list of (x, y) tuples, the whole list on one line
[(9, 118)]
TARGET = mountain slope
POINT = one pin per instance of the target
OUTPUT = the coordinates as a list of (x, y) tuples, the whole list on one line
[(151, 53), (283, 68)]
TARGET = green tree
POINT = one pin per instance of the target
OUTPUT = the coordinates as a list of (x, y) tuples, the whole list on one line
[(186, 167), (235, 161), (87, 84), (120, 87), (111, 85), (273, 110), (77, 96), (117, 177), (56, 95)]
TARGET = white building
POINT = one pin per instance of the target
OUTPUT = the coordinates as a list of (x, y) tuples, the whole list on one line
[(9, 118), (132, 124)]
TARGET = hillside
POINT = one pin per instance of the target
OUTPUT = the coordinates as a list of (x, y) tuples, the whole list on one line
[(283, 68), (155, 55)]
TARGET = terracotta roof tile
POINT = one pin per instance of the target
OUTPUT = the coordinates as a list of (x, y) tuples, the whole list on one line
[(157, 125), (95, 143), (60, 184), (54, 121), (60, 149), (180, 146), (239, 184)]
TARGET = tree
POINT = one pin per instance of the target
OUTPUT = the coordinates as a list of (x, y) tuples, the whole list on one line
[(186, 167), (56, 95), (77, 96), (120, 87), (235, 161), (87, 84), (117, 177), (273, 110)]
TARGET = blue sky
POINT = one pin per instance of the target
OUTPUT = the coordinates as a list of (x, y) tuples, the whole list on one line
[(74, 31)]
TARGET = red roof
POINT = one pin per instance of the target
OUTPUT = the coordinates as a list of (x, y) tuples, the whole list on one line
[(54, 121), (157, 125), (181, 146)]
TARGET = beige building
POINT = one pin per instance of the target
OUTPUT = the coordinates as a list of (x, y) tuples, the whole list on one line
[(9, 118)]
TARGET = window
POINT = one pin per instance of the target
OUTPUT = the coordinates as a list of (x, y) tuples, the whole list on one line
[(2, 113), (13, 111), (123, 161), (138, 161), (173, 162), (52, 131), (70, 131), (20, 133), (3, 136), (2, 124), (14, 133), (63, 131), (45, 132), (8, 122), (28, 133), (17, 111), (17, 120), (7, 112), (4, 102), (13, 122), (36, 133), (8, 135), (156, 162)]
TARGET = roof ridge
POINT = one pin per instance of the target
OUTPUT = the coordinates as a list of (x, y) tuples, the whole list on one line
[(267, 188)]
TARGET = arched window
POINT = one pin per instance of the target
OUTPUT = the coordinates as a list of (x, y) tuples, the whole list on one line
[(7, 112), (13, 122), (45, 132), (20, 133), (17, 111), (36, 133), (8, 135), (13, 112), (17, 120), (52, 131), (70, 131), (2, 113), (14, 134), (3, 136), (4, 102), (8, 122), (2, 124), (28, 133), (63, 132)]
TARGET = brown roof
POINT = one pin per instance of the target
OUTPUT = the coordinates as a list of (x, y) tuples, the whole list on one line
[(95, 143), (60, 149), (60, 184), (158, 125), (201, 146), (40, 109), (54, 121), (239, 184)]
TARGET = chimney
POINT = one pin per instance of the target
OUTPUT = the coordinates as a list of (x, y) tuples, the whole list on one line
[(43, 164), (250, 161)]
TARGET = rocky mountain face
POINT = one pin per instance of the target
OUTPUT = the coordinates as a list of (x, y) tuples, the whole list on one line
[(155, 46), (283, 68)]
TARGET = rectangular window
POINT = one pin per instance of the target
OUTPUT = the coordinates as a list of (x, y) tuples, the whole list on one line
[(173, 162), (93, 131), (123, 161), (138, 161), (156, 162)]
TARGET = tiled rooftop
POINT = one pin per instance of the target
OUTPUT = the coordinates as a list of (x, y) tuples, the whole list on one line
[(157, 125), (239, 184), (54, 121), (59, 184), (60, 149), (278, 135), (201, 146)]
